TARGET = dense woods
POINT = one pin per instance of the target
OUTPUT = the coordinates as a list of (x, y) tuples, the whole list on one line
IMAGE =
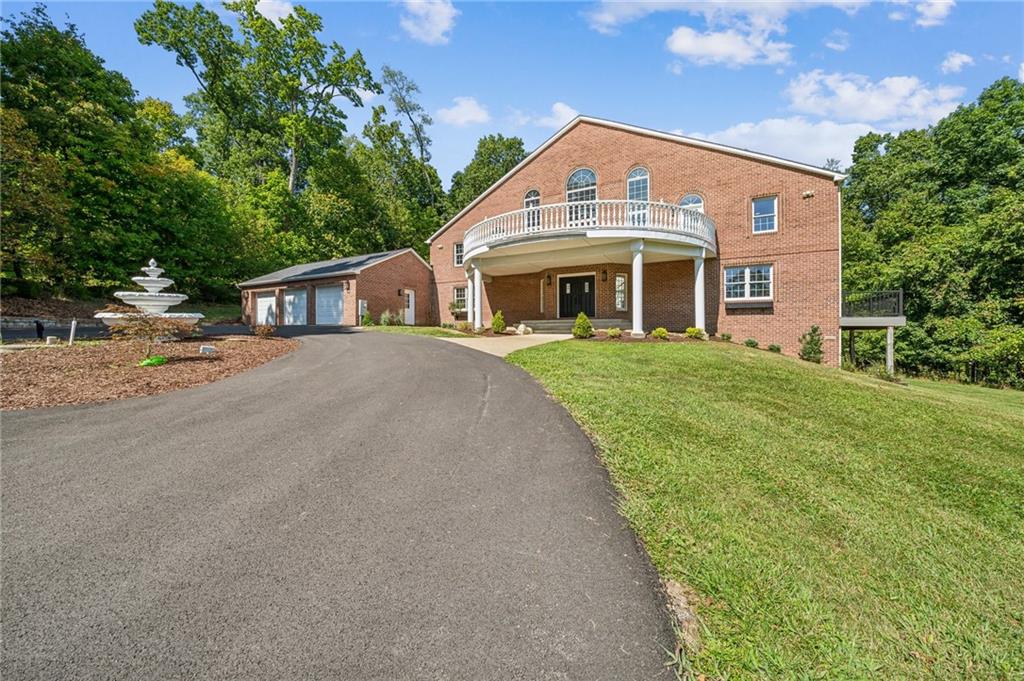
[(261, 171)]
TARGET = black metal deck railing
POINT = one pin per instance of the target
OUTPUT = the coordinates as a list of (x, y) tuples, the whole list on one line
[(873, 304)]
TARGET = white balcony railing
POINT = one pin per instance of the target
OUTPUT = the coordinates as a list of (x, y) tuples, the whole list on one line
[(585, 216)]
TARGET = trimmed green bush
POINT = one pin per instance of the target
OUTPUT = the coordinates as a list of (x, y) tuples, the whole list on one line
[(727, 337), (810, 345), (582, 328), (774, 347), (498, 322), (696, 332), (615, 332), (465, 327), (661, 333), (750, 343), (366, 320)]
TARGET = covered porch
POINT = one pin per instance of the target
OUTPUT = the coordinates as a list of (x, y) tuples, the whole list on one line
[(634, 265)]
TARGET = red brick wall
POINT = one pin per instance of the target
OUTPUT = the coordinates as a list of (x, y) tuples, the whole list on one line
[(379, 285), (804, 250)]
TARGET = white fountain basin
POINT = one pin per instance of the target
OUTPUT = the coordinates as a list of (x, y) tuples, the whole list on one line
[(111, 318), (151, 303), (153, 284)]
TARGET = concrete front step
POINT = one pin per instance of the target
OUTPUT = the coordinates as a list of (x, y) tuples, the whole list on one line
[(565, 325)]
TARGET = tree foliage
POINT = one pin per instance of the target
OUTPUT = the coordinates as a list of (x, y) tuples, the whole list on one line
[(495, 155), (939, 213)]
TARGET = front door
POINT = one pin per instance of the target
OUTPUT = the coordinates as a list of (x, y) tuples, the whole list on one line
[(410, 308), (575, 295)]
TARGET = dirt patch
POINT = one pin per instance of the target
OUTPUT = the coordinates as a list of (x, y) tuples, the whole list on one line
[(681, 601), (107, 370)]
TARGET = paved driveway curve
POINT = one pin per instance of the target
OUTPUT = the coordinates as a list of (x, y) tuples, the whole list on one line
[(370, 507)]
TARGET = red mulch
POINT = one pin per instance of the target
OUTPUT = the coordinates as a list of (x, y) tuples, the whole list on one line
[(49, 308), (107, 370)]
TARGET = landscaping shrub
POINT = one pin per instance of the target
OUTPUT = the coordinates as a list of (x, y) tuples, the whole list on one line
[(810, 345), (615, 332), (582, 328), (750, 343), (774, 347), (366, 319), (661, 333), (727, 337), (498, 322), (447, 325), (465, 327), (389, 318), (696, 332), (148, 328), (456, 307), (263, 330)]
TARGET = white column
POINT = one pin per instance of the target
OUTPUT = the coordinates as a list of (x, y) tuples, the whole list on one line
[(638, 289), (478, 295), (890, 363), (698, 292), (469, 299)]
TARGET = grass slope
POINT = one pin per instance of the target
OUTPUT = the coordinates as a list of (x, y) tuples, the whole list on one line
[(833, 525)]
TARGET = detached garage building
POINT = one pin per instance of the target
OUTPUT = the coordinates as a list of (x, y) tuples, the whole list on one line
[(338, 292)]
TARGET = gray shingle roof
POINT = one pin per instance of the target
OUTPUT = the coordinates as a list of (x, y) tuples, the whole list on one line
[(324, 268)]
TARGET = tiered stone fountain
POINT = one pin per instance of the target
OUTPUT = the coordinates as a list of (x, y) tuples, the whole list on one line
[(151, 301)]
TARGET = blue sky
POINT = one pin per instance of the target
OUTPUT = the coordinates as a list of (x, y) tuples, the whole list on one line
[(798, 79)]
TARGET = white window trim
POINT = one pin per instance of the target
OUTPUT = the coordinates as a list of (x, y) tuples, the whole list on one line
[(465, 294), (703, 203), (775, 214), (456, 255), (746, 283), (567, 190), (615, 293)]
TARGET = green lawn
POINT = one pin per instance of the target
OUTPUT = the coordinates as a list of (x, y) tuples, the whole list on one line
[(435, 331), (214, 312), (834, 525)]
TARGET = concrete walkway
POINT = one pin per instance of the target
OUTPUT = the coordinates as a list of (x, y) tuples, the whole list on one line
[(372, 506), (500, 346)]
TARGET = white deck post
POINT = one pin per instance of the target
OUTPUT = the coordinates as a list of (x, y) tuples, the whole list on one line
[(638, 289), (478, 304), (469, 299), (698, 292), (890, 363)]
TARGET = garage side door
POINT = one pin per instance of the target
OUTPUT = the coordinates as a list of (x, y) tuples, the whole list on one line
[(295, 307), (266, 308), (329, 305)]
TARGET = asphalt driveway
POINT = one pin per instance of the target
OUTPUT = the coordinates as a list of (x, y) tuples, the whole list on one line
[(370, 507)]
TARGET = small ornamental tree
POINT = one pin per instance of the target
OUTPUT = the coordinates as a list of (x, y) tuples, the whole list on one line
[(138, 326), (810, 346), (582, 328), (498, 322)]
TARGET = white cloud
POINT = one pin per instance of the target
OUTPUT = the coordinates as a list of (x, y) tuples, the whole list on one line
[(929, 12), (465, 111), (955, 62), (837, 40), (898, 101), (675, 67), (561, 113), (729, 47), (933, 12), (794, 138), (429, 21), (366, 95), (275, 10)]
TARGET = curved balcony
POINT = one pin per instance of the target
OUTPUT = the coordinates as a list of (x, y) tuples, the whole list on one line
[(603, 218)]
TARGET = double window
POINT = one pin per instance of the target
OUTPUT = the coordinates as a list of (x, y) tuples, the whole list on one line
[(750, 282), (766, 214), (638, 193), (457, 250), (582, 188), (621, 304), (531, 202)]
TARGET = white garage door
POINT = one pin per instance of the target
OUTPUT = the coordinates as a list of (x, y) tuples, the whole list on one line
[(266, 308), (329, 305), (295, 307)]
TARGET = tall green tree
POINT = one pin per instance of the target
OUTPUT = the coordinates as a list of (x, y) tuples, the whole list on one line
[(495, 155)]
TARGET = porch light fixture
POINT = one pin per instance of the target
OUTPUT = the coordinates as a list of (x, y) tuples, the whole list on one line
[(399, 293), (604, 275), (348, 285), (548, 280)]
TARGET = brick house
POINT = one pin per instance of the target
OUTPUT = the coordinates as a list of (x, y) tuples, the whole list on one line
[(337, 292), (641, 229)]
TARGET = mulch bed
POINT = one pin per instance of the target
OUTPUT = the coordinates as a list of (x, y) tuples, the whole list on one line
[(107, 370), (626, 338)]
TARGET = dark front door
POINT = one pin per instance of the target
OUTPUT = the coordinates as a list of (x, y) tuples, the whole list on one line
[(575, 295)]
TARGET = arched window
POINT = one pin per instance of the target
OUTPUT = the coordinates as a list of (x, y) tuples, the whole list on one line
[(638, 193), (693, 202), (581, 187), (532, 200)]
